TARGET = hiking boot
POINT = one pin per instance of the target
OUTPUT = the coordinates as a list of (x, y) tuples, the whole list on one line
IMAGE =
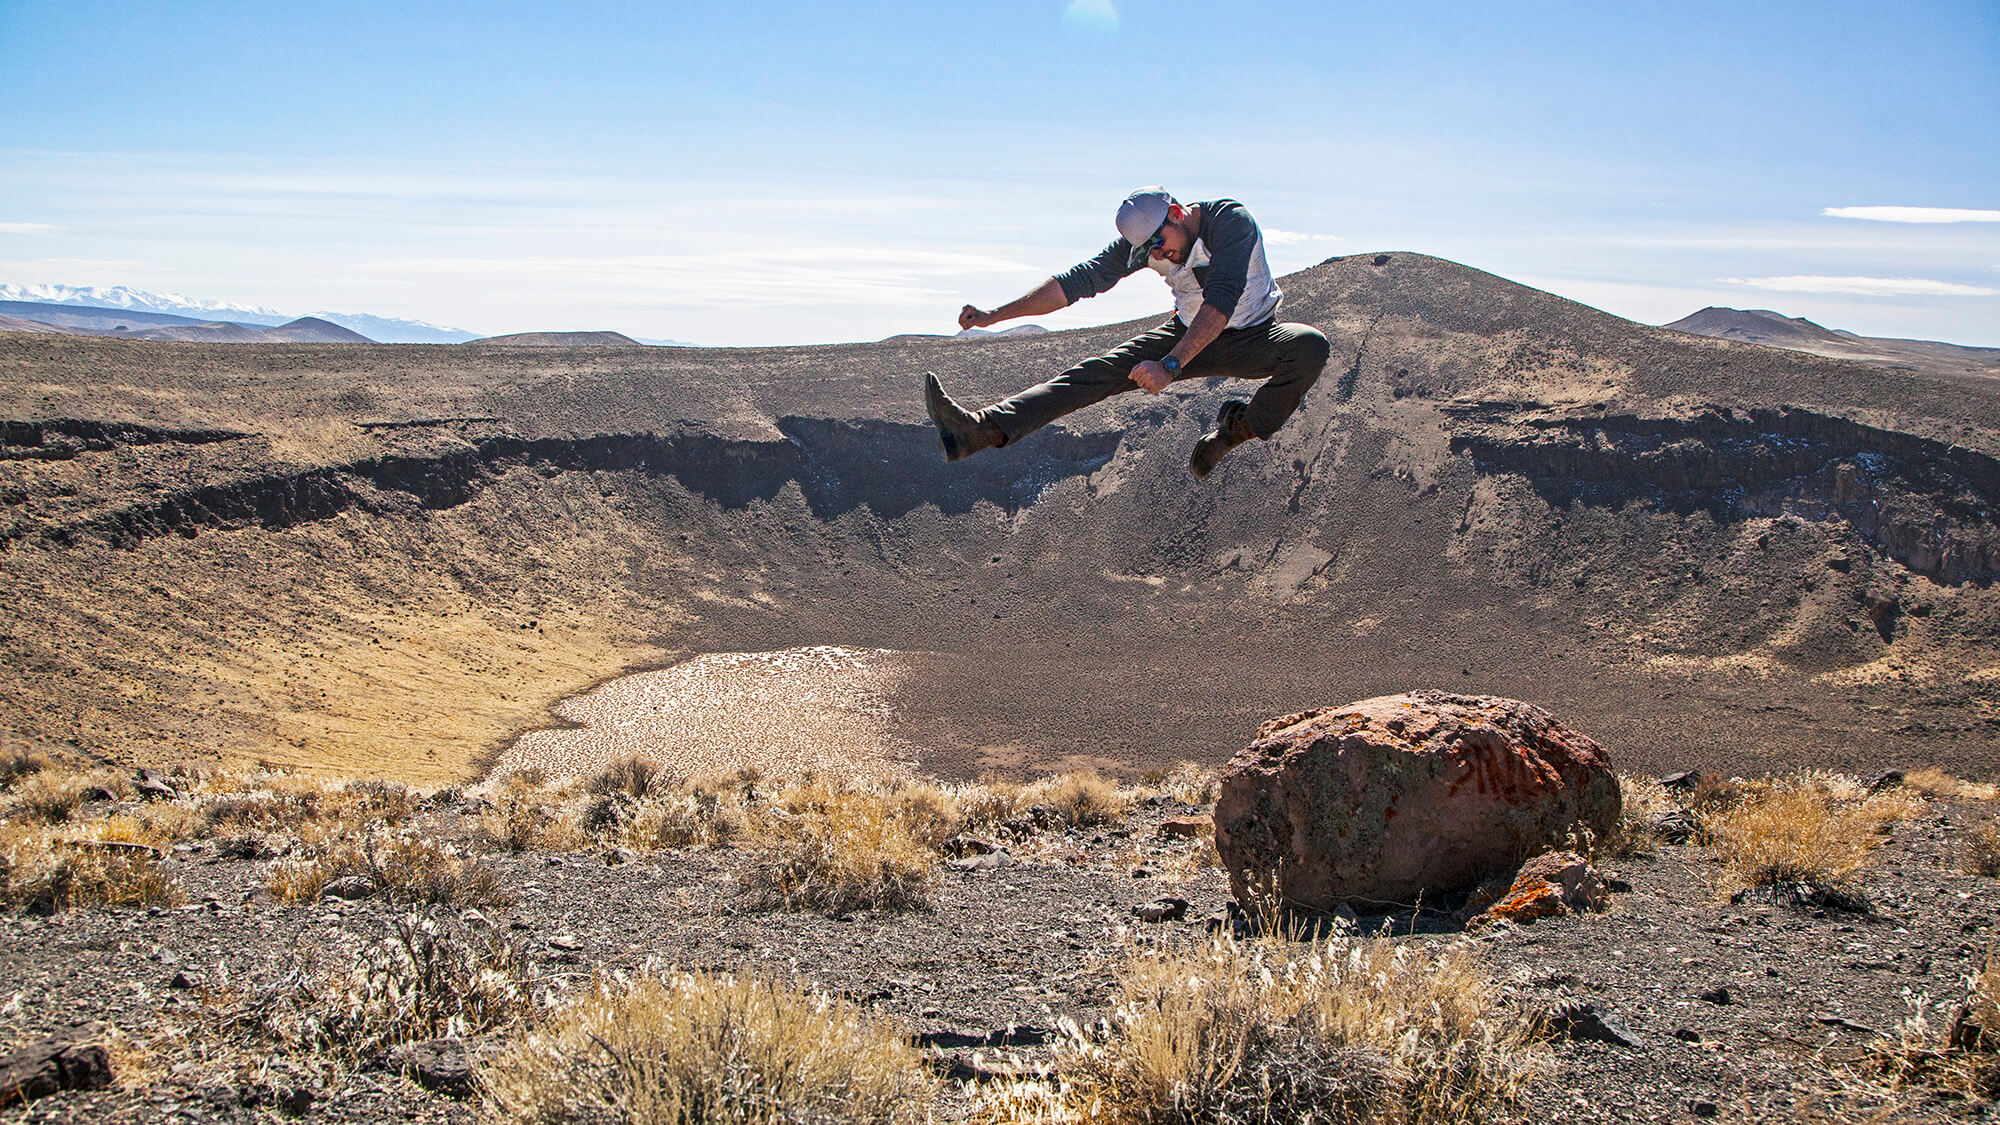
[(960, 433), (1232, 428)]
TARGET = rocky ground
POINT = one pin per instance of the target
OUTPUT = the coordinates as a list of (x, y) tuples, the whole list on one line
[(1739, 1011)]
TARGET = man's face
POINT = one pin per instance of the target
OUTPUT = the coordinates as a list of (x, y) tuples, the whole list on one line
[(1174, 239)]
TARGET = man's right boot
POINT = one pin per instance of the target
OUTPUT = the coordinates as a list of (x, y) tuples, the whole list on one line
[(960, 432), (1232, 428)]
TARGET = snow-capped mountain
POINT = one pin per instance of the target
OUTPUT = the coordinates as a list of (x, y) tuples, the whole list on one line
[(383, 329), (120, 297)]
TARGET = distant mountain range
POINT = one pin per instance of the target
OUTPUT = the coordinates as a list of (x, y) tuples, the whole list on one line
[(1795, 333), (87, 320), (561, 340), (970, 333), (380, 329)]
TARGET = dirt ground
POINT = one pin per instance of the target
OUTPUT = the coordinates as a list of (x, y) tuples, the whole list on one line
[(1026, 945)]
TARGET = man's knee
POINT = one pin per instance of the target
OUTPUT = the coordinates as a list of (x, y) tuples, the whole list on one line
[(1310, 350)]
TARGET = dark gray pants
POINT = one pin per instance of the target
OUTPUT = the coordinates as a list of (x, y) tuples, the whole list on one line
[(1288, 357)]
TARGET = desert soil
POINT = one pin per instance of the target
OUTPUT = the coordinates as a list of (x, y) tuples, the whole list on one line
[(1025, 945)]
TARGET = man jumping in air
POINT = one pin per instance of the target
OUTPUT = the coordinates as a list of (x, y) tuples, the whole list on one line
[(1225, 323)]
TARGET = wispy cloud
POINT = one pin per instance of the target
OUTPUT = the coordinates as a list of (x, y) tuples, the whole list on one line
[(1913, 214), (1100, 16), (1288, 237), (28, 228), (1865, 286)]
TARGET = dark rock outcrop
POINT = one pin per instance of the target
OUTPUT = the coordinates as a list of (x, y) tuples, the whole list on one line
[(1397, 797), (47, 1068)]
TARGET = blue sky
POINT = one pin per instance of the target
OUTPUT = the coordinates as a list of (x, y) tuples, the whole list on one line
[(762, 173)]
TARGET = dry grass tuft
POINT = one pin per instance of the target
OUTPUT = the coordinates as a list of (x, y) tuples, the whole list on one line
[(681, 820), (410, 870), (693, 1047), (431, 977), (1814, 828), (1934, 782), (1266, 1030), (19, 763), (1644, 799), (633, 776), (1960, 1061), (1082, 800), (1982, 850), (43, 874), (837, 848), (1190, 783)]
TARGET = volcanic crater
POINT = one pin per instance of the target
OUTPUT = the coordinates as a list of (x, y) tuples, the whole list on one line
[(396, 560)]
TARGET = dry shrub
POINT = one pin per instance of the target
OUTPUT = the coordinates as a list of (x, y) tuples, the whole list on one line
[(46, 797), (681, 820), (43, 875), (1190, 783), (1982, 850), (1934, 782), (431, 977), (1081, 800), (990, 802), (675, 1048), (1959, 1061), (1813, 828), (930, 814), (1266, 1030), (837, 848), (1715, 794), (523, 819), (1643, 799), (407, 869), (18, 763), (633, 776), (374, 801)]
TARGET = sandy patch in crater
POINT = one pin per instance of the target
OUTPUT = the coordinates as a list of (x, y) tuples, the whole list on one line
[(819, 708)]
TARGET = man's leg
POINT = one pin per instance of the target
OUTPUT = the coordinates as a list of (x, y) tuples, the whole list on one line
[(1091, 381), (1288, 357)]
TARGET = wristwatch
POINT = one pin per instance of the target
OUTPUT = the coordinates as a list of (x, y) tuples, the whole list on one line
[(1172, 365)]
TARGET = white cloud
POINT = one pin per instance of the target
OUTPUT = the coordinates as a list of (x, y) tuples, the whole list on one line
[(1913, 214), (1288, 237), (1865, 286), (1100, 16), (28, 228)]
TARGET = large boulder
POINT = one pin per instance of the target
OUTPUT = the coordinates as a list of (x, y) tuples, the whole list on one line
[(1382, 801)]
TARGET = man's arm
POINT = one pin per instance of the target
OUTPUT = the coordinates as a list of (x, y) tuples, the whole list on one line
[(1047, 297), (1208, 324), (1087, 279)]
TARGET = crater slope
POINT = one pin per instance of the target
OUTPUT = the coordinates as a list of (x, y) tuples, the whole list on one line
[(396, 559)]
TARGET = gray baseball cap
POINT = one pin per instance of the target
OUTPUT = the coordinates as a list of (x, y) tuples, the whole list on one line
[(1140, 218)]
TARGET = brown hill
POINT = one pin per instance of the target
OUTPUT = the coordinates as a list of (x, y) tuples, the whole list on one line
[(18, 324), (561, 340), (1762, 326), (221, 332), (393, 560), (1756, 326), (313, 330)]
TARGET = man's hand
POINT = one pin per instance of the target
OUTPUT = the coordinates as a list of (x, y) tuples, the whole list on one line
[(1151, 377), (969, 317)]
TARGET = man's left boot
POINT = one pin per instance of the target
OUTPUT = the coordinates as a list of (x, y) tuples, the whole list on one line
[(1232, 428), (960, 432)]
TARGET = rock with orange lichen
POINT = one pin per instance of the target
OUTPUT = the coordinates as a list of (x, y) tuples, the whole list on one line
[(1549, 885), (1402, 796)]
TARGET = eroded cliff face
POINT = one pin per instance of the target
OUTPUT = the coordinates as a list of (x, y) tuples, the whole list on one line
[(396, 558)]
